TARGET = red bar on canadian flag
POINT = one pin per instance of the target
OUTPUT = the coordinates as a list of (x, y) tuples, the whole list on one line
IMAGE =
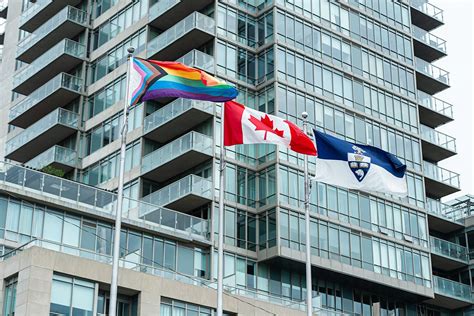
[(243, 125)]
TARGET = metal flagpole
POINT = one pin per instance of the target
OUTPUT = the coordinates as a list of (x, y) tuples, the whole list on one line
[(309, 292), (220, 263), (118, 215)]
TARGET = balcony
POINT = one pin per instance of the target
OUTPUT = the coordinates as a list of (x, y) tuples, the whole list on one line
[(433, 111), (163, 13), (443, 218), (36, 185), (68, 23), (447, 255), (428, 46), (48, 131), (184, 195), (176, 118), (429, 78), (181, 154), (193, 31), (198, 59), (62, 57), (436, 146), (450, 294), (426, 15), (57, 92), (41, 11), (58, 157), (439, 182)]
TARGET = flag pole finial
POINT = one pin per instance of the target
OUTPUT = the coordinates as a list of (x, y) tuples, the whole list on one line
[(304, 115), (130, 51)]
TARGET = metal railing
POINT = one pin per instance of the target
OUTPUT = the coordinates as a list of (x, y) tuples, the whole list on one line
[(66, 46), (428, 9), (173, 110), (156, 269), (59, 116), (63, 155), (429, 39), (198, 59), (448, 249), (192, 21), (68, 13), (160, 7), (33, 10), (97, 200), (452, 289), (105, 258), (440, 174), (432, 71), (435, 104), (63, 80), (438, 208), (190, 141), (191, 184), (436, 137)]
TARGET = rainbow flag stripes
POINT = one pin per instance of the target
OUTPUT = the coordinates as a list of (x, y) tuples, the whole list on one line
[(152, 79)]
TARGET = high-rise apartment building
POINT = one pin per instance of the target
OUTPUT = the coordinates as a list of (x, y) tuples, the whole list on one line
[(363, 70)]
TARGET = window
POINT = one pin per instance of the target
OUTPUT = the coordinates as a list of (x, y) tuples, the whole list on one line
[(9, 298), (119, 22), (71, 296), (171, 307)]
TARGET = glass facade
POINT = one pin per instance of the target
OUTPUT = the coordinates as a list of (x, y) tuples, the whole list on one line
[(21, 221), (356, 68)]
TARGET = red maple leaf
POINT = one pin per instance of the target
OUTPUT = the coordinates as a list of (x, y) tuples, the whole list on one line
[(265, 124)]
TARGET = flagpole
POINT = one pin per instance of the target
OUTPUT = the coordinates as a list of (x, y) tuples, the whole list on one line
[(118, 215), (220, 263), (309, 292)]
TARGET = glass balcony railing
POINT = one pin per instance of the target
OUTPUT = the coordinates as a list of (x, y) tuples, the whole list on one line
[(173, 110), (124, 262), (429, 39), (66, 46), (59, 116), (428, 9), (448, 249), (452, 289), (63, 80), (440, 139), (438, 208), (464, 206), (68, 13), (97, 200), (435, 104), (59, 154), (432, 71), (159, 270), (190, 141), (33, 9), (192, 21), (439, 174), (198, 59), (160, 7), (191, 184)]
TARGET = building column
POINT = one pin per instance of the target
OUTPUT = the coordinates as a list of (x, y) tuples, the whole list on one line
[(33, 292)]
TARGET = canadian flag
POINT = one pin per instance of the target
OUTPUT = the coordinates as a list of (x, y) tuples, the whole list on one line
[(243, 125)]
